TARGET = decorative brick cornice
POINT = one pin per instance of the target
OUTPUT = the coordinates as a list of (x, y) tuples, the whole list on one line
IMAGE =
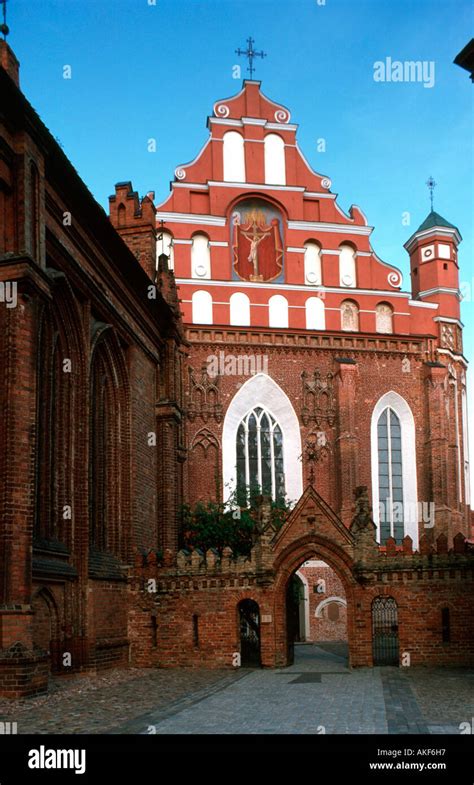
[(344, 343)]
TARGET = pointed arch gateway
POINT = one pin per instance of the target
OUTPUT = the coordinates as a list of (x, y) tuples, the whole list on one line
[(312, 531), (261, 392)]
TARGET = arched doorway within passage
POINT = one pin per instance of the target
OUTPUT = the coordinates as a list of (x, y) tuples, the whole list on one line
[(316, 613)]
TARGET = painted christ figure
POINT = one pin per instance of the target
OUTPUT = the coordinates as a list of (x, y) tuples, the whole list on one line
[(257, 247)]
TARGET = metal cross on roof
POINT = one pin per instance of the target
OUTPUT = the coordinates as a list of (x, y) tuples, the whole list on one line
[(431, 185), (4, 27), (250, 53)]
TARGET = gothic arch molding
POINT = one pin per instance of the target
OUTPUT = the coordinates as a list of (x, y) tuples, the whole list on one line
[(403, 411), (262, 390)]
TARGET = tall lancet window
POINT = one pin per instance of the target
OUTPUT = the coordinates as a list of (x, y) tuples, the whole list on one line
[(259, 456), (234, 157), (389, 443), (274, 150)]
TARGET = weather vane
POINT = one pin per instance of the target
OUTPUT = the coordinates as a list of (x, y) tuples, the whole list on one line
[(4, 27), (431, 185), (250, 53)]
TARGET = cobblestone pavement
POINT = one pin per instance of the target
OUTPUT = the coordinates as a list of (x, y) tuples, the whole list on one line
[(318, 694), (96, 704)]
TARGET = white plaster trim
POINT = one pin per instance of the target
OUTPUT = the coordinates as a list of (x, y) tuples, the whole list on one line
[(219, 243), (223, 121), (433, 231), (278, 106), (289, 287), (448, 320), (323, 603), (327, 227), (262, 390), (440, 290), (258, 186), (329, 252), (192, 186), (307, 164), (190, 163), (189, 218), (177, 241), (254, 121), (416, 304), (281, 127), (458, 357), (408, 435), (321, 195)]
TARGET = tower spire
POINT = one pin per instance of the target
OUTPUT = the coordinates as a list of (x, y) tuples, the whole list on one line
[(431, 186), (250, 53), (4, 27)]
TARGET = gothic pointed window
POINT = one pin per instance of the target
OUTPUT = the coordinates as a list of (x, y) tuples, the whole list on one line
[(389, 443), (259, 456)]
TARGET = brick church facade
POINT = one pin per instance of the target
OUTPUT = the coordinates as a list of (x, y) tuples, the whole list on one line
[(269, 346)]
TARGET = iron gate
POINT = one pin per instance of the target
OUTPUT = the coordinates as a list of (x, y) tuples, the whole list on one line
[(249, 620), (385, 631)]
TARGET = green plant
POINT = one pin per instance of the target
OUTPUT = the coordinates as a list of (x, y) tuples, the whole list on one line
[(215, 525)]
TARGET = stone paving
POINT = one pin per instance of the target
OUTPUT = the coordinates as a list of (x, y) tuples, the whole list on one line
[(318, 694)]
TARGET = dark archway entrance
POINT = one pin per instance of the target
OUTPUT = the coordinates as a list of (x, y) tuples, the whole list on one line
[(249, 623), (316, 612), (385, 631)]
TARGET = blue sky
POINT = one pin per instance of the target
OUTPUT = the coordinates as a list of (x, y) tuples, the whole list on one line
[(143, 69)]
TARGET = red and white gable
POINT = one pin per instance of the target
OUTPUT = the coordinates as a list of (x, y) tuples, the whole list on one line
[(256, 237)]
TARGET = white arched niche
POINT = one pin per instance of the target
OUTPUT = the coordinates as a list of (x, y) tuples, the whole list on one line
[(315, 316), (200, 256), (312, 263), (324, 603), (274, 153), (395, 401), (234, 157), (278, 311), (202, 307), (347, 266), (239, 310), (262, 390)]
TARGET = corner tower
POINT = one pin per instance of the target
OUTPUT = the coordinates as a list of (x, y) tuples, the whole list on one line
[(435, 274)]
